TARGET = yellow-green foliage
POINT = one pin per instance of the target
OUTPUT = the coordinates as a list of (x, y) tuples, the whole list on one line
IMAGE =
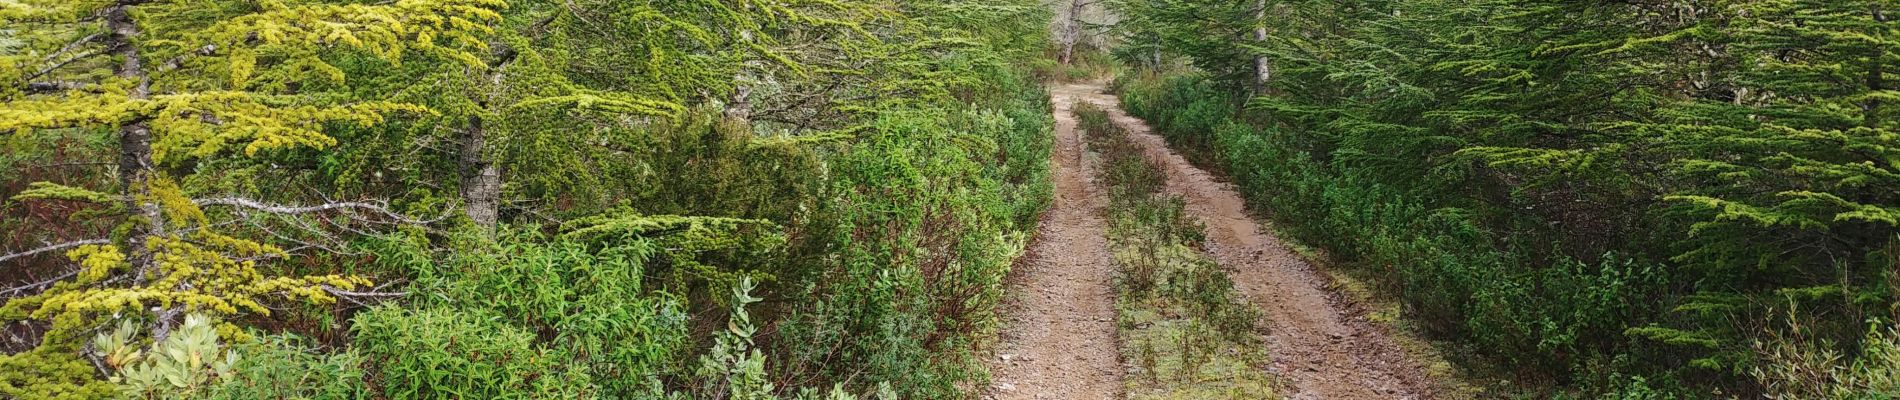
[(193, 267), (50, 373), (230, 65), (260, 48), (54, 191), (213, 77), (278, 30), (201, 124), (892, 142)]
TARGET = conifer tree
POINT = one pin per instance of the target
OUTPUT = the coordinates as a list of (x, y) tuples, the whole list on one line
[(178, 82), (567, 79), (1798, 159), (1807, 145), (1223, 36)]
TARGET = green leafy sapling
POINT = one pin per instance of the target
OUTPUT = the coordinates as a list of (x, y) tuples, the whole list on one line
[(181, 365)]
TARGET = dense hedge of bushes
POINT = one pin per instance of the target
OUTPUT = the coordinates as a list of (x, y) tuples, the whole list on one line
[(930, 214), (1577, 225), (1633, 198)]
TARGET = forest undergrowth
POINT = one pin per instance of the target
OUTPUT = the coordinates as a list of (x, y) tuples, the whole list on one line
[(425, 199)]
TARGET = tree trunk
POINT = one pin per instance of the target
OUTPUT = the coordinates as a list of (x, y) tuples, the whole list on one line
[(1072, 31), (1263, 71), (1155, 57), (739, 107), (1876, 81), (135, 160), (481, 181), (135, 140)]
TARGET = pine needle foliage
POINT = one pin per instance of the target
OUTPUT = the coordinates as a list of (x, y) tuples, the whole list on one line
[(223, 82), (1608, 198), (184, 82), (858, 174)]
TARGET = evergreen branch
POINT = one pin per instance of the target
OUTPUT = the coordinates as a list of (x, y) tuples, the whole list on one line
[(63, 50), (72, 46)]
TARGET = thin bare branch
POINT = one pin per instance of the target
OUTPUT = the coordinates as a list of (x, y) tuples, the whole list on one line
[(54, 247), (30, 287), (362, 299), (52, 87), (284, 209), (175, 62), (69, 47), (302, 244), (340, 292)]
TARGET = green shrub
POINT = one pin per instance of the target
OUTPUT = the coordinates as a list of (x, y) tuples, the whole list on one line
[(437, 353), (734, 365), (589, 304), (1797, 365), (919, 265), (184, 364), (282, 367), (1023, 147)]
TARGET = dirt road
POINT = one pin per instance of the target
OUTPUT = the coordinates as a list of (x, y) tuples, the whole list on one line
[(1325, 349), (1058, 338)]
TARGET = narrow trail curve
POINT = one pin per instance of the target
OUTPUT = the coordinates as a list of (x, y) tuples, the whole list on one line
[(1058, 336), (1322, 347)]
